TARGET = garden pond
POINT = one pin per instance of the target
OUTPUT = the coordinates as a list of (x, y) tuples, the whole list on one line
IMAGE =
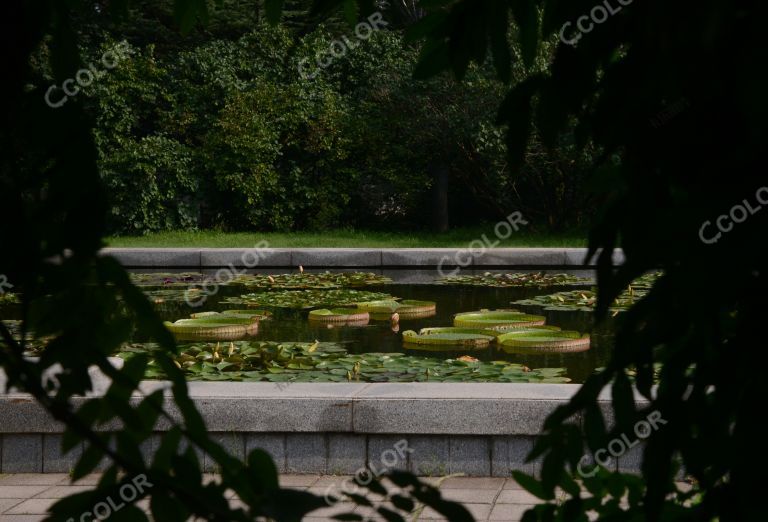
[(268, 334)]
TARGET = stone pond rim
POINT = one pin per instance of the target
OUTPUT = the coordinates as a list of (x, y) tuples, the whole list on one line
[(202, 258)]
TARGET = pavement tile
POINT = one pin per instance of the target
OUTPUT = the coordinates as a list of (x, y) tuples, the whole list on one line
[(33, 506), (21, 491), (33, 479), (92, 479), (508, 512), (517, 496), (293, 481), (8, 503), (331, 480), (341, 507), (473, 483), (23, 518), (63, 491), (478, 511), (512, 484), (473, 496)]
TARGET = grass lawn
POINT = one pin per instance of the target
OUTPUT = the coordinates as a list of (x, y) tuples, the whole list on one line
[(348, 238)]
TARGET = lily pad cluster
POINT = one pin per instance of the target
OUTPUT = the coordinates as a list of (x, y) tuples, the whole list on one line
[(167, 278), (303, 280), (174, 295), (233, 324), (330, 362), (8, 298), (510, 330), (308, 299), (585, 300), (536, 339), (535, 279)]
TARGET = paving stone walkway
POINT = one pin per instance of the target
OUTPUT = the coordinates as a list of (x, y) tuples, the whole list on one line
[(26, 497)]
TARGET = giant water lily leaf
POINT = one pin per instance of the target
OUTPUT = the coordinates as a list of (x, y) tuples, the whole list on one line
[(456, 330), (407, 309), (535, 279), (453, 340), (307, 299), (303, 280), (340, 316), (497, 320), (543, 341), (215, 326), (258, 315)]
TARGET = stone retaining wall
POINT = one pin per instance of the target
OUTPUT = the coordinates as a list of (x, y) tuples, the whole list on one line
[(202, 258), (476, 429)]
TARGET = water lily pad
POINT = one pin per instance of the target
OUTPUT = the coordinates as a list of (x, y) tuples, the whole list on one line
[(340, 316), (543, 341), (497, 320), (258, 315), (407, 309), (447, 340), (216, 326)]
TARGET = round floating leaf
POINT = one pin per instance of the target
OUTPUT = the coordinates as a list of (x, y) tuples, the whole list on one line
[(379, 307), (408, 309), (538, 340), (213, 325), (258, 315), (340, 316), (453, 339), (455, 330), (497, 320)]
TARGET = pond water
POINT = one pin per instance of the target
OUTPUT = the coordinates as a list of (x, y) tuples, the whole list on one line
[(379, 336)]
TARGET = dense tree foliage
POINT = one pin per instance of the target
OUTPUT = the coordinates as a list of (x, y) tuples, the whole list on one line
[(221, 128)]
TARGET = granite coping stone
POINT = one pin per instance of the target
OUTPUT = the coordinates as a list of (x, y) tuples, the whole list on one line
[(201, 258), (385, 408)]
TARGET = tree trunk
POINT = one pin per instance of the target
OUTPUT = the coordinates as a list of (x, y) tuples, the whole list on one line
[(440, 198)]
